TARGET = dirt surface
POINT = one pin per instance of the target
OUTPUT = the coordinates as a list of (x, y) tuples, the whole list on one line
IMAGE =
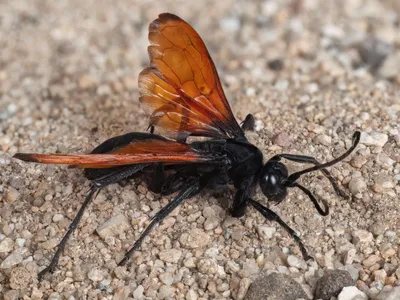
[(311, 72)]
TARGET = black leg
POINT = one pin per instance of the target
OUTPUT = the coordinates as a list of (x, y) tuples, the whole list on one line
[(312, 160), (172, 184), (187, 192), (272, 216), (118, 175), (239, 204), (54, 261), (248, 123), (322, 211), (356, 139), (96, 186), (151, 129), (157, 178)]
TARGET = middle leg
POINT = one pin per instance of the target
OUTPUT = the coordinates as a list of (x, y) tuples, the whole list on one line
[(186, 193)]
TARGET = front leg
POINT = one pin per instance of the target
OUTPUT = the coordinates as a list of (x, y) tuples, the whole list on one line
[(272, 216)]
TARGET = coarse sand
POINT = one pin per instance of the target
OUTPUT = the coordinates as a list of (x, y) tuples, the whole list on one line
[(312, 72)]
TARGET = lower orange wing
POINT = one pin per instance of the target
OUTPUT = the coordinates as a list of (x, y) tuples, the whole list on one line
[(135, 152)]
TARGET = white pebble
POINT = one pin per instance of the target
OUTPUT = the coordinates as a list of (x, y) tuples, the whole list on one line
[(165, 292), (95, 275), (6, 245), (294, 261), (138, 293), (352, 293), (113, 226), (361, 236), (57, 217), (265, 231), (170, 255), (374, 139), (166, 278), (13, 259), (191, 295)]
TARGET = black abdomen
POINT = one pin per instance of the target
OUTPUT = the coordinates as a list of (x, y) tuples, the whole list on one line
[(113, 144)]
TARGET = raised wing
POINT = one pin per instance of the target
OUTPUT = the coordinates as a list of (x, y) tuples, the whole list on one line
[(139, 148), (181, 89)]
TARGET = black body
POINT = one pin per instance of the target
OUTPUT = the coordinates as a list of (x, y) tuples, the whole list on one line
[(238, 163), (244, 161)]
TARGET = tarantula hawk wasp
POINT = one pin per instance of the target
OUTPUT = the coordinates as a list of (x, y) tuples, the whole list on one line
[(183, 95)]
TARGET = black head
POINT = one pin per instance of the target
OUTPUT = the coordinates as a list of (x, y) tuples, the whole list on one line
[(272, 180), (274, 177)]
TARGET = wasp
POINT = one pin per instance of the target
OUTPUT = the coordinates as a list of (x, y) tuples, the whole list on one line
[(183, 96)]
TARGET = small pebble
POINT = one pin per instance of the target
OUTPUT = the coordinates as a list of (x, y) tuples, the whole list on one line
[(11, 295), (166, 278), (113, 226), (58, 217), (191, 295), (349, 257), (95, 275), (207, 266), (195, 238), (170, 255), (388, 252), (389, 293), (265, 231), (380, 275), (361, 236), (165, 292), (357, 185), (20, 278), (138, 292), (211, 223), (12, 260), (371, 260), (6, 245), (294, 261), (282, 139), (232, 267), (374, 139), (243, 288), (121, 293)]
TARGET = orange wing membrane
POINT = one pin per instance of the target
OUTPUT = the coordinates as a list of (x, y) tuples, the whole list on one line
[(147, 151), (181, 89)]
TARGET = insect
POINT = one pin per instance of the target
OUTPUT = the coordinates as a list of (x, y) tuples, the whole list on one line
[(183, 96)]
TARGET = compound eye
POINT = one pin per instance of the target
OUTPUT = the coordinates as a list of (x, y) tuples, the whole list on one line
[(270, 184), (271, 179)]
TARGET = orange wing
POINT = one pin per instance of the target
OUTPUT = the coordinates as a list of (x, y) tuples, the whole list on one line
[(147, 151), (181, 90)]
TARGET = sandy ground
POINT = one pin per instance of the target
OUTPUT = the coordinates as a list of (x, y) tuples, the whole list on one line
[(312, 72)]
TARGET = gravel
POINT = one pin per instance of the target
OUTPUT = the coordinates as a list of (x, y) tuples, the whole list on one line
[(311, 72)]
